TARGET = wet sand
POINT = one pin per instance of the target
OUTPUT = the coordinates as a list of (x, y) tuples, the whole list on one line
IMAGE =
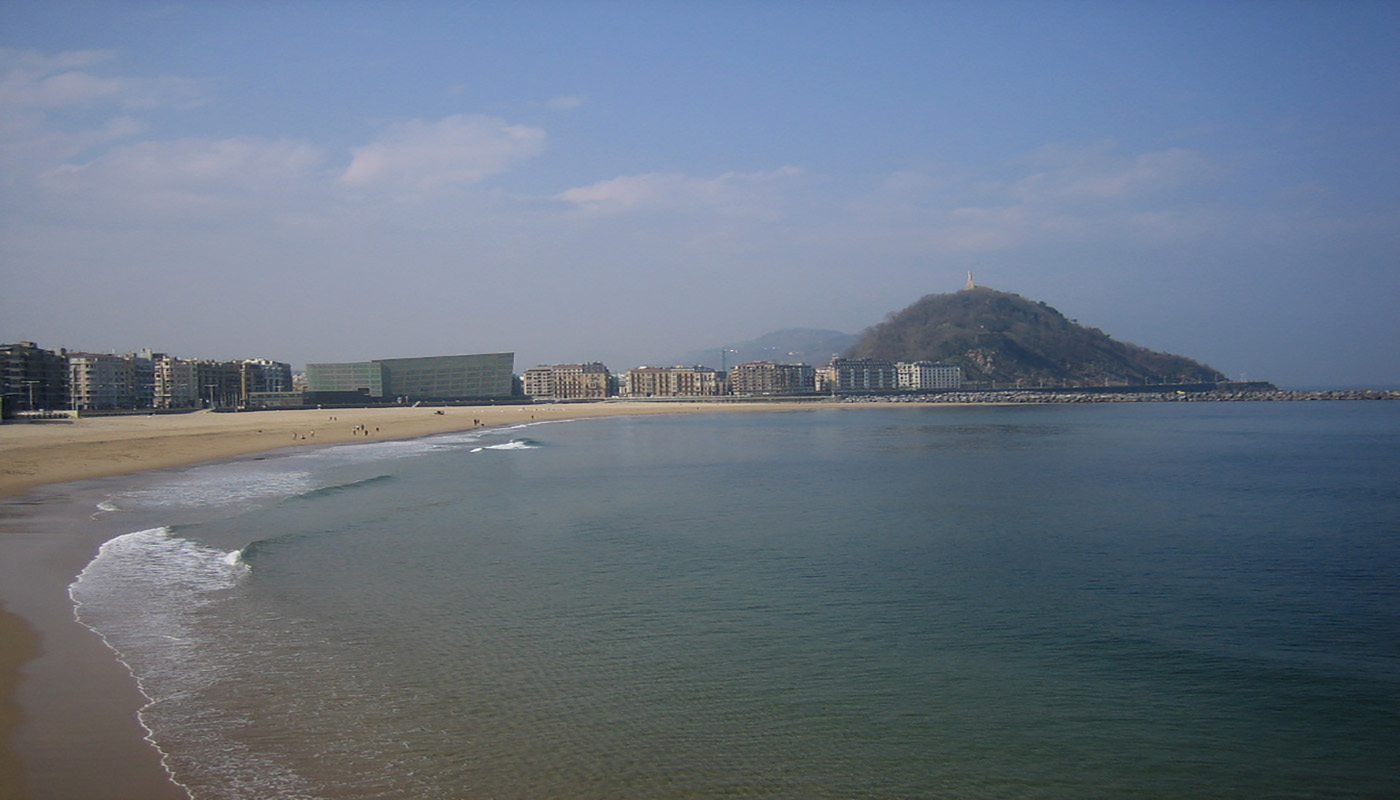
[(68, 708), (18, 644)]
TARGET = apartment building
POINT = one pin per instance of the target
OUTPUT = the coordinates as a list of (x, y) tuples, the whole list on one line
[(176, 383), (674, 382), (922, 375), (143, 366), (771, 378), (538, 382), (32, 378), (101, 382), (588, 381), (859, 375), (261, 375), (581, 381)]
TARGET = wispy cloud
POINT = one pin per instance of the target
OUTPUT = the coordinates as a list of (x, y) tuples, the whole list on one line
[(184, 179), (36, 81), (730, 193), (57, 107), (1100, 172), (418, 155), (566, 103)]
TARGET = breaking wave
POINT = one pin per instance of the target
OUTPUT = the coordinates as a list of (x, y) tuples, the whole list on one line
[(513, 444), (337, 488)]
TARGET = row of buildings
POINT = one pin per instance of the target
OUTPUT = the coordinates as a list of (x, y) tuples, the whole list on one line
[(750, 379), (34, 379)]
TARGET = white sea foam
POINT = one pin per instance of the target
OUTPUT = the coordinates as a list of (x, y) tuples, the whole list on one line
[(170, 607), (514, 444), (248, 483), (157, 556), (511, 445), (242, 485), (224, 485), (145, 594)]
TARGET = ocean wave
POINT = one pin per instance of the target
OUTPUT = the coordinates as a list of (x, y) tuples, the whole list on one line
[(213, 487), (148, 596), (157, 558), (248, 552), (513, 444), (323, 491)]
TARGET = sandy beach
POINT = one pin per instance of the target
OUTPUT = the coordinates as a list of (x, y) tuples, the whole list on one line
[(68, 708)]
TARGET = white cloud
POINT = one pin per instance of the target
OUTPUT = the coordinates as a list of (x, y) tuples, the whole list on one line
[(187, 178), (36, 81), (731, 193), (418, 155), (64, 89), (26, 144), (566, 103), (1098, 172), (56, 107)]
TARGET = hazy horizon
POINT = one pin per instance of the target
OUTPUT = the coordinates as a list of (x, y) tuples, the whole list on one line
[(624, 182)]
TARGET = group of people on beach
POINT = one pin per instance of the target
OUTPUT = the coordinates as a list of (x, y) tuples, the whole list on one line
[(358, 430)]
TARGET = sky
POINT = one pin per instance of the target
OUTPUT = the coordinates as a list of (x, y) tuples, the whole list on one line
[(628, 181)]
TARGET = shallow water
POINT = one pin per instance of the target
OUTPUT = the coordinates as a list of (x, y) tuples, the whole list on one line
[(1069, 601)]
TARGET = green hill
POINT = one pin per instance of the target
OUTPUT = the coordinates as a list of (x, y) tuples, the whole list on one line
[(1003, 337)]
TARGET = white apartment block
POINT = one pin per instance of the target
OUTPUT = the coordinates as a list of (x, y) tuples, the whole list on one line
[(177, 383), (917, 375)]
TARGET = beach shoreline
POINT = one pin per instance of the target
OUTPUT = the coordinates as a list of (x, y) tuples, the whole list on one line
[(68, 706)]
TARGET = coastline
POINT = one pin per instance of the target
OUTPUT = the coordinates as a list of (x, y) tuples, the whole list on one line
[(68, 707)]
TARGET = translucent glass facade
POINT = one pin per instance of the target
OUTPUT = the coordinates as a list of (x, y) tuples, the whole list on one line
[(363, 377), (429, 378), (449, 377)]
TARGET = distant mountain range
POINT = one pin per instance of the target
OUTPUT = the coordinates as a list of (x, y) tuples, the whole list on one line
[(994, 336), (792, 346), (1003, 337)]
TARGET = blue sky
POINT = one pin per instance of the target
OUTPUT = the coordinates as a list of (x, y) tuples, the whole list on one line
[(322, 181)]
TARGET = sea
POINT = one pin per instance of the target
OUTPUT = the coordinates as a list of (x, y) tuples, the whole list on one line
[(1120, 600)]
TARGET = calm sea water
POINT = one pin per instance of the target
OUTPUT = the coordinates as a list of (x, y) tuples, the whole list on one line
[(1157, 600)]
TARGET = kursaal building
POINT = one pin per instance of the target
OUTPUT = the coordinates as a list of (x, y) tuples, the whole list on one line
[(485, 376)]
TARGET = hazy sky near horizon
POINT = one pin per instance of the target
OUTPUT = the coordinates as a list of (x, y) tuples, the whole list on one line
[(629, 181)]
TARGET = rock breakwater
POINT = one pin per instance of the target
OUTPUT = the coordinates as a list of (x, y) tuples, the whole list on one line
[(1124, 397)]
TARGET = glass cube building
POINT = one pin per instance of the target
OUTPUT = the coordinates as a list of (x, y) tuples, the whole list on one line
[(465, 377)]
